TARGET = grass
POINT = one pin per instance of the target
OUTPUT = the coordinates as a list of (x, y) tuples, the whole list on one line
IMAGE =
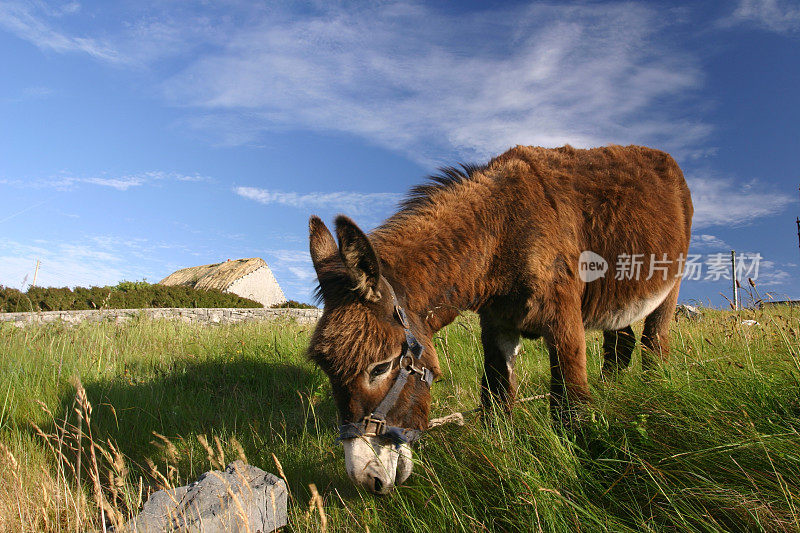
[(708, 442)]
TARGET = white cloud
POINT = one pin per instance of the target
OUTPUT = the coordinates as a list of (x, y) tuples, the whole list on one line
[(352, 202), (121, 183), (433, 85), (303, 274), (416, 80), (721, 202), (88, 260), (27, 94), (29, 21), (289, 256), (780, 16), (134, 34), (771, 273), (36, 92), (707, 242), (62, 264)]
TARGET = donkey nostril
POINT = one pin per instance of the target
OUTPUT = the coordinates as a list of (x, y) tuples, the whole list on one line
[(378, 484)]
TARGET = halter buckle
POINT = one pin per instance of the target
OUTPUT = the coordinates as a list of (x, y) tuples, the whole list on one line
[(378, 424)]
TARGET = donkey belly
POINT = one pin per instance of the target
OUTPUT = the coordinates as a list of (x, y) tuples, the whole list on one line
[(624, 314)]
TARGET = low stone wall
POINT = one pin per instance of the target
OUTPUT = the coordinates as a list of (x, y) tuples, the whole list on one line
[(200, 315)]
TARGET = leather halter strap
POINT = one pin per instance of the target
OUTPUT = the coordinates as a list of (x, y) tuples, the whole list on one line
[(374, 424)]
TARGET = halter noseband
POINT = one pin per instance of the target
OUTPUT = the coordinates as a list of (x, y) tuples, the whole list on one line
[(374, 424)]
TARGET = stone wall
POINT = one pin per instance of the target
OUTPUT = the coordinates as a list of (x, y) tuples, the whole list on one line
[(200, 315)]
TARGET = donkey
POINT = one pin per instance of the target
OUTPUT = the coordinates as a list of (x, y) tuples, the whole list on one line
[(539, 242)]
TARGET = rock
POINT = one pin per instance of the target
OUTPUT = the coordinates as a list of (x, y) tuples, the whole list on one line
[(689, 311), (455, 418), (242, 498)]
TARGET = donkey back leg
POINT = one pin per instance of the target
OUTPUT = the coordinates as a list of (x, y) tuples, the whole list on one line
[(618, 346), (501, 343), (655, 336), (569, 384)]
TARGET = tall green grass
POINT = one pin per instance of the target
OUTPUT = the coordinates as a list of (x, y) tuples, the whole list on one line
[(708, 442)]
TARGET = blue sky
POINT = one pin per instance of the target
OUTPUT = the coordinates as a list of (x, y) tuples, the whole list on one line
[(138, 137)]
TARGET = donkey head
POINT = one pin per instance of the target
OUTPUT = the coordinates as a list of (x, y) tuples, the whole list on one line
[(371, 352)]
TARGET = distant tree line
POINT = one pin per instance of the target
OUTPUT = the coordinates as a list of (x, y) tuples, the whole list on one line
[(124, 295)]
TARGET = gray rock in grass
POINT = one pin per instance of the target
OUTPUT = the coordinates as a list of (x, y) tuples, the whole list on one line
[(689, 311), (242, 498)]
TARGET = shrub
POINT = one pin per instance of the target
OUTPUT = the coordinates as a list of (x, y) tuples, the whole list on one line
[(126, 285), (125, 295), (294, 304)]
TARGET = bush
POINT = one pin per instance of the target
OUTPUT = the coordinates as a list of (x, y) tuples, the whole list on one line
[(125, 295), (125, 285), (293, 304)]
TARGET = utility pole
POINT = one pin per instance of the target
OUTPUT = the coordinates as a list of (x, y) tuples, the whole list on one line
[(798, 227), (733, 277), (35, 273)]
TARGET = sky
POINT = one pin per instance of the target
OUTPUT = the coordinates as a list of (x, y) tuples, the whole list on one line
[(139, 137)]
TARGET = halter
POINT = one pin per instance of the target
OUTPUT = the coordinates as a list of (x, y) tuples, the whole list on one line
[(374, 424)]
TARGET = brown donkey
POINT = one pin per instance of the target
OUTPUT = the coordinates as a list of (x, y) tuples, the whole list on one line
[(540, 242)]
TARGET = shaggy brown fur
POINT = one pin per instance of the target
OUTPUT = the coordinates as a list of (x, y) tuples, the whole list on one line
[(504, 240)]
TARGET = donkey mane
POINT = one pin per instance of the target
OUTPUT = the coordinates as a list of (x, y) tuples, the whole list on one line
[(332, 273), (447, 178)]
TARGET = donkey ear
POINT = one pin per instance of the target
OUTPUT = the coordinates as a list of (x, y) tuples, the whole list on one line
[(359, 257), (321, 243)]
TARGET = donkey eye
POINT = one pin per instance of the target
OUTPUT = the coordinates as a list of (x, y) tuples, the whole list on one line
[(377, 370)]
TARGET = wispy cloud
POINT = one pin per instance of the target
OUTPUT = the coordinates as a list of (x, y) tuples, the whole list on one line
[(29, 94), (91, 260), (772, 273), (405, 75), (294, 271), (408, 77), (82, 262), (351, 202), (120, 183), (134, 34), (24, 210), (289, 256), (722, 202), (780, 16), (707, 242), (29, 21)]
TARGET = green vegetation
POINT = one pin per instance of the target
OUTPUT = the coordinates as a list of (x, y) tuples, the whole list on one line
[(708, 442), (294, 304), (124, 295)]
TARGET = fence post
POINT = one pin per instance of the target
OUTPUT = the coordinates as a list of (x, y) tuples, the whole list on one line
[(35, 273), (735, 284)]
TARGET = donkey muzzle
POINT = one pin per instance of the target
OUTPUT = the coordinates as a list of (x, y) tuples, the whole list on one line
[(376, 465)]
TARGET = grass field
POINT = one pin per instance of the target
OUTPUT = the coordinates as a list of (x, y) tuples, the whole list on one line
[(708, 442)]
